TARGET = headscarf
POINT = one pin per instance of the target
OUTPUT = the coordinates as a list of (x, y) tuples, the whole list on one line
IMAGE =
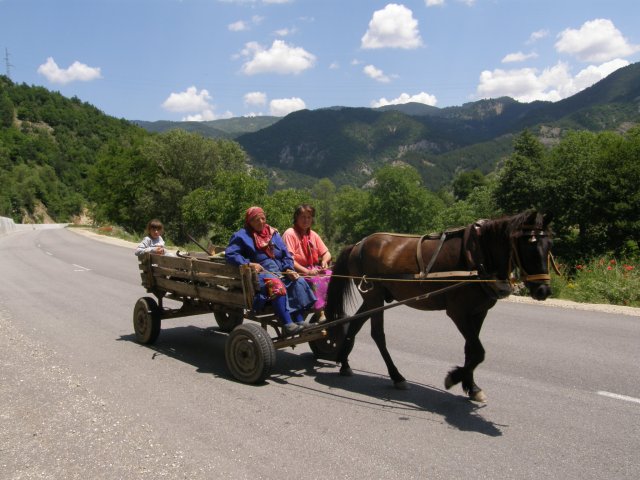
[(262, 240), (310, 253)]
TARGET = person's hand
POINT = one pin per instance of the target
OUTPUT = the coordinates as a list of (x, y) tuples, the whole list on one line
[(293, 275), (256, 267), (160, 250)]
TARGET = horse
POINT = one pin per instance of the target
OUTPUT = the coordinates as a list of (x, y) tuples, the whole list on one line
[(469, 269)]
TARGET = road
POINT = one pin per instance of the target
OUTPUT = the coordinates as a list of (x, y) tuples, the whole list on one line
[(80, 399)]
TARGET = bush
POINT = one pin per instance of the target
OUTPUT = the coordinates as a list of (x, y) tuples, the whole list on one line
[(602, 280)]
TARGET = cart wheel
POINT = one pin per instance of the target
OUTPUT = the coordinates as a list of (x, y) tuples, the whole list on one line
[(227, 321), (327, 347), (146, 320), (250, 353)]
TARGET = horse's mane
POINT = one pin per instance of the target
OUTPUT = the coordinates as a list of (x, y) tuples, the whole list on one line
[(510, 224)]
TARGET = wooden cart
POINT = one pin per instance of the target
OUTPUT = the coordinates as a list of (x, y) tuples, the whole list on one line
[(206, 284)]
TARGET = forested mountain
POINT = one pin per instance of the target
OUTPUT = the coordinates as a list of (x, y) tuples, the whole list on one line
[(224, 128), (348, 144), (49, 144)]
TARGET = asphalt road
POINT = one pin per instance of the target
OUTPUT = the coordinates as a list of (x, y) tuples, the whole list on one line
[(80, 399)]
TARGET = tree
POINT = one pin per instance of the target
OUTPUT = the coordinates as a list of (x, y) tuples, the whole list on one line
[(399, 202), (521, 180), (6, 111), (464, 183)]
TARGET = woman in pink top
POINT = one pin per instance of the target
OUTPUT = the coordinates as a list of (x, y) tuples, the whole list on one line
[(311, 257)]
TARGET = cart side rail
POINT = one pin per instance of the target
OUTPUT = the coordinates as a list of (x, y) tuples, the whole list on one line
[(205, 279)]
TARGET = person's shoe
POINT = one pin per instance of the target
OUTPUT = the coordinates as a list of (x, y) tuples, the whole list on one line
[(319, 317), (292, 328), (305, 324)]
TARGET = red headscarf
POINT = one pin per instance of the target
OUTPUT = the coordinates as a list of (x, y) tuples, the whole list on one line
[(310, 253), (262, 240)]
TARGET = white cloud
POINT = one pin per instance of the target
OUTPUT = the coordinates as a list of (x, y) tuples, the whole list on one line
[(438, 3), (77, 72), (375, 73), (188, 101), (283, 106), (241, 25), (281, 58), (334, 66), (283, 32), (192, 100), (392, 27), (255, 98), (518, 57), (552, 84), (537, 35), (238, 26), (421, 97), (596, 41)]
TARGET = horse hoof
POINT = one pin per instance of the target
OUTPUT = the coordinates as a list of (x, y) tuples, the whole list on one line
[(448, 382), (346, 372), (402, 385), (478, 396)]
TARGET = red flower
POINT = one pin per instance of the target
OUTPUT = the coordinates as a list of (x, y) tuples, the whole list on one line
[(609, 267), (613, 262), (628, 268), (578, 267)]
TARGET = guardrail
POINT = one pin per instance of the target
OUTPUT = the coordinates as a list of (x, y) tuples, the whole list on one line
[(7, 225)]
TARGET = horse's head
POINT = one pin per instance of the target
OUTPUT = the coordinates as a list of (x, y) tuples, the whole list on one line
[(531, 252)]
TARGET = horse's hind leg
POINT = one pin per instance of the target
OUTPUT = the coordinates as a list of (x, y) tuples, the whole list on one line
[(348, 343), (377, 333), (469, 326)]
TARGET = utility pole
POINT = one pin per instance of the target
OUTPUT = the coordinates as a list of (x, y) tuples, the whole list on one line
[(6, 62)]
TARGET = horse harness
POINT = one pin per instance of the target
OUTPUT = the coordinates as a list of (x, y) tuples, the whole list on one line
[(499, 288)]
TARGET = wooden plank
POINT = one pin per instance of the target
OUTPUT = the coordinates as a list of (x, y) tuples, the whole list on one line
[(205, 278), (210, 294)]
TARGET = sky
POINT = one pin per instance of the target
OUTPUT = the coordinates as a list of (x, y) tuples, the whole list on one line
[(214, 59)]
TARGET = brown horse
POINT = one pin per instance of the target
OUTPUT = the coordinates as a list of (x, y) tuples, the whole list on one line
[(482, 256)]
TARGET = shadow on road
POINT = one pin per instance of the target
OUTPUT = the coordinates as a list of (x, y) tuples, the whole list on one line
[(204, 349)]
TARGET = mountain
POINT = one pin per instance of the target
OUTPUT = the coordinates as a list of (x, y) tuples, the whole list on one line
[(224, 128), (348, 144)]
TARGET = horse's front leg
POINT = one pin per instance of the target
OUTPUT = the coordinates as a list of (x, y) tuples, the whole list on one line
[(474, 354), (377, 333)]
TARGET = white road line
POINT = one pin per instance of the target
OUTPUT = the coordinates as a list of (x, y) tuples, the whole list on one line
[(619, 397), (48, 253), (81, 268)]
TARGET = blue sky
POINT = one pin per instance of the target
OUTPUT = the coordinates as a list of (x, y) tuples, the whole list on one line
[(211, 59)]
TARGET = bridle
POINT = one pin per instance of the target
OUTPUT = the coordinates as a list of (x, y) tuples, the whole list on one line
[(532, 232)]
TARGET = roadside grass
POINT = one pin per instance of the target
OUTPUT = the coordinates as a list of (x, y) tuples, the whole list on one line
[(604, 280)]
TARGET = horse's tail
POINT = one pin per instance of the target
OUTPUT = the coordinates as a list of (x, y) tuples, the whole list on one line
[(339, 292)]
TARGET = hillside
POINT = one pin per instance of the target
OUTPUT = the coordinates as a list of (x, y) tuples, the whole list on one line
[(224, 128), (48, 143), (347, 144)]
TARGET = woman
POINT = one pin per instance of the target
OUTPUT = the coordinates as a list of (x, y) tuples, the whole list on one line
[(260, 246), (311, 257), (152, 242)]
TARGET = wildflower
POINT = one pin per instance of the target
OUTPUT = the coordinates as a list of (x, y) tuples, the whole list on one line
[(628, 268), (613, 261), (578, 267), (609, 267)]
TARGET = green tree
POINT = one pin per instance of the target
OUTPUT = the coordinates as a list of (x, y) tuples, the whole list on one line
[(399, 202), (521, 180), (218, 211), (324, 201), (350, 215), (464, 183), (6, 110)]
